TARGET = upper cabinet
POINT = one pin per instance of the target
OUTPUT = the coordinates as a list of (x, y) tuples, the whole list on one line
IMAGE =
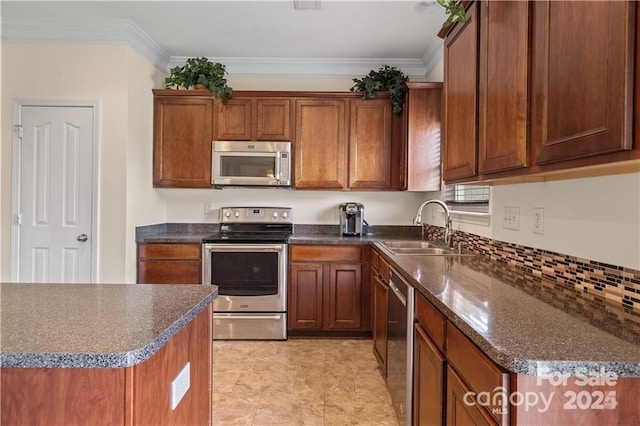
[(368, 151), (344, 142), (538, 87), (339, 140), (321, 144), (182, 135), (254, 119), (423, 130), (503, 106), (582, 79), (459, 122)]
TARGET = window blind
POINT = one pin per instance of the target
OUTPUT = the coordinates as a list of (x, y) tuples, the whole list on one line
[(467, 198)]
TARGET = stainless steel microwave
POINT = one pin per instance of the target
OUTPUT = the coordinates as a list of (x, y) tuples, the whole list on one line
[(237, 163)]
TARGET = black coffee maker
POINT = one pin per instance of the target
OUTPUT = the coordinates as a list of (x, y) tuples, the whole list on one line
[(352, 219)]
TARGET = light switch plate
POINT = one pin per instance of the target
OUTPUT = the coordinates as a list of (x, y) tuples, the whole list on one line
[(538, 220), (180, 385), (511, 218)]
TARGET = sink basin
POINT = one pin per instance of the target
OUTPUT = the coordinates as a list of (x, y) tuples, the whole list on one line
[(409, 244), (420, 248)]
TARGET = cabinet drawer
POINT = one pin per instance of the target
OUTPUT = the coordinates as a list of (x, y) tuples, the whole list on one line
[(169, 272), (478, 371), (431, 320), (169, 251), (326, 253)]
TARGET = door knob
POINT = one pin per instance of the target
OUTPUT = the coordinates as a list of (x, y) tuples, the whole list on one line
[(82, 238)]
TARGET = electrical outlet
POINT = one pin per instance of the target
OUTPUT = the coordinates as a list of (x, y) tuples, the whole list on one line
[(538, 220), (209, 207), (180, 385), (511, 218)]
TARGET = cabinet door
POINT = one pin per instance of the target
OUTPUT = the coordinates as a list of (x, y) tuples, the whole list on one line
[(370, 144), (504, 60), (380, 294), (304, 308), (423, 115), (320, 145), (343, 297), (428, 381), (235, 120), (273, 119), (460, 98), (459, 412), (582, 79), (169, 264), (182, 135)]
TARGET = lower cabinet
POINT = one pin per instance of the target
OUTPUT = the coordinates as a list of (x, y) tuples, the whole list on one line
[(169, 263), (325, 291), (449, 370), (429, 376), (379, 300)]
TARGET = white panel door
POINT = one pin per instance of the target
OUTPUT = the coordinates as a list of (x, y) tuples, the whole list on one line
[(56, 185)]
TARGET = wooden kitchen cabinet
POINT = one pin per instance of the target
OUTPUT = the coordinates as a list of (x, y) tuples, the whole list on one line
[(379, 303), (551, 91), (254, 118), (428, 372), (503, 86), (459, 121), (423, 129), (370, 144), (325, 290), (447, 365), (182, 135), (582, 79), (169, 263), (344, 142), (459, 412), (320, 144)]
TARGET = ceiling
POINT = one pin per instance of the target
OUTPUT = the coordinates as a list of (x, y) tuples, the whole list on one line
[(260, 37)]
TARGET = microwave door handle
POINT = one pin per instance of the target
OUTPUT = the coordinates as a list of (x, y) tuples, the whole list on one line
[(277, 168)]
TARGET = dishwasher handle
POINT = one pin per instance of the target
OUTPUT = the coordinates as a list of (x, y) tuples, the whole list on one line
[(398, 293)]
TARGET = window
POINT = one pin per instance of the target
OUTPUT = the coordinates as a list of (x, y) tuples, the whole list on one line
[(467, 198)]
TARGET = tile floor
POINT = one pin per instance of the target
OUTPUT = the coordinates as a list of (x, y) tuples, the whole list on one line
[(298, 382)]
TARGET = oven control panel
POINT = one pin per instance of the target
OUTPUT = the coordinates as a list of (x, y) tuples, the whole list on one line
[(256, 214)]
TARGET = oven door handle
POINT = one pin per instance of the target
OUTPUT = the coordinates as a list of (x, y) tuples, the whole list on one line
[(246, 317)]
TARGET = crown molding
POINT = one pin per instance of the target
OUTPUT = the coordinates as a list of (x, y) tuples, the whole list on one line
[(107, 31), (125, 31), (309, 67)]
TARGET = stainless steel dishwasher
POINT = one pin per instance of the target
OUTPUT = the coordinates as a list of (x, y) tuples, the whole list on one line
[(400, 319)]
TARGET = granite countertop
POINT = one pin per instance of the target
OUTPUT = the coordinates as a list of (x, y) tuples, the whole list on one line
[(520, 324), (93, 325), (518, 331)]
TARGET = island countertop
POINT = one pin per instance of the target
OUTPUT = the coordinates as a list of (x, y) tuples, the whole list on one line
[(93, 325)]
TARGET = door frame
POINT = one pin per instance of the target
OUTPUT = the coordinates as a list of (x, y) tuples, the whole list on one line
[(16, 174)]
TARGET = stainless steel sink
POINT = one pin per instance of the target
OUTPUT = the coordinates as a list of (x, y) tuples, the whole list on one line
[(420, 248)]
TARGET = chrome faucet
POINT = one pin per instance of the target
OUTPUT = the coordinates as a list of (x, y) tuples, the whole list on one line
[(448, 236)]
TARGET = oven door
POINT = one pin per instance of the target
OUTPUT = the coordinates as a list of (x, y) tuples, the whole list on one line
[(250, 277)]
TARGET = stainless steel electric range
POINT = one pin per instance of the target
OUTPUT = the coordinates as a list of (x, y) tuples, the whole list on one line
[(247, 260)]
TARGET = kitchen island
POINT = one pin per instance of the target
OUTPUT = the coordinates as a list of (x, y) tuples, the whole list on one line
[(105, 354)]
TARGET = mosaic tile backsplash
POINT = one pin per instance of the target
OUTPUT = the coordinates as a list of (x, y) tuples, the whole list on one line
[(609, 290)]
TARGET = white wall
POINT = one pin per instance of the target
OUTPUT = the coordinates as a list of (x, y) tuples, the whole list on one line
[(595, 218), (97, 73), (144, 205)]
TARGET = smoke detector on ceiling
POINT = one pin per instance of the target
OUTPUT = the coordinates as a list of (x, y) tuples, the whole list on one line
[(306, 4)]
